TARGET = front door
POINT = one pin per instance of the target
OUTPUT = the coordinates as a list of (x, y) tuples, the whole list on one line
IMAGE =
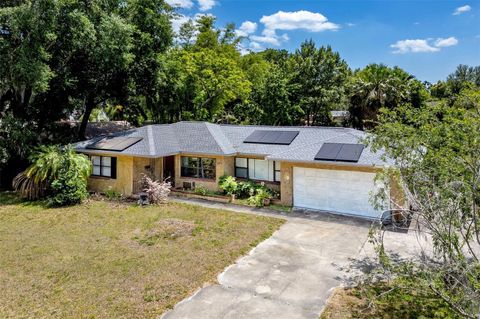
[(169, 169)]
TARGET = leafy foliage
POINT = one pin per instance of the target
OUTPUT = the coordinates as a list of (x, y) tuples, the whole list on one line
[(259, 197), (228, 184), (377, 86), (437, 152), (58, 173)]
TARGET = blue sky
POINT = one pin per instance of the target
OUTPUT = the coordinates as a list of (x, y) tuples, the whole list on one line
[(426, 38)]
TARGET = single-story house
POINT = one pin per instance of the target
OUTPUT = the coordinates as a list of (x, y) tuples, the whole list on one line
[(324, 168)]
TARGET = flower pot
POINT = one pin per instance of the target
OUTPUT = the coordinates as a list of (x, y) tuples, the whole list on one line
[(232, 198)]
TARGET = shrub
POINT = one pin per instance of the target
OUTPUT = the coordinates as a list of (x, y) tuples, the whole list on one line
[(201, 190), (68, 188), (157, 192), (261, 194), (245, 189), (112, 194), (228, 184), (60, 174)]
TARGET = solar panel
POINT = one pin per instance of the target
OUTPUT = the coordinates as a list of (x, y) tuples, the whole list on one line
[(350, 152), (255, 137), (116, 144), (328, 152), (287, 137), (340, 152), (271, 137)]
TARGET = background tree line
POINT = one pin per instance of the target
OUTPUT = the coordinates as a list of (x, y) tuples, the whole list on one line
[(73, 59)]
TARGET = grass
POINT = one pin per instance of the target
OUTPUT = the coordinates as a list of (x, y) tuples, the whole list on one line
[(381, 301), (112, 260)]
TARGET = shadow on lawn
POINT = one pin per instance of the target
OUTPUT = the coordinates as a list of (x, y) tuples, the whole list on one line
[(11, 198)]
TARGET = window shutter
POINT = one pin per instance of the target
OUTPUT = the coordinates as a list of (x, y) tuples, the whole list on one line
[(114, 167)]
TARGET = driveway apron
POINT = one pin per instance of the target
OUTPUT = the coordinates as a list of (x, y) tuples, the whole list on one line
[(290, 275)]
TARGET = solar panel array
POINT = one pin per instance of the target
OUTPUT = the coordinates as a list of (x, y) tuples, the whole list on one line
[(340, 152), (116, 144), (271, 137)]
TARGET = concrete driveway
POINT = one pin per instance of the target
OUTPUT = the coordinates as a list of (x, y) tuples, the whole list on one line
[(290, 275)]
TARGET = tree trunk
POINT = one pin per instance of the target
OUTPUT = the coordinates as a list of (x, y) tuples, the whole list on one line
[(89, 106)]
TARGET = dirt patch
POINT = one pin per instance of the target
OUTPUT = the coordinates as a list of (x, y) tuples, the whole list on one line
[(340, 304), (169, 228)]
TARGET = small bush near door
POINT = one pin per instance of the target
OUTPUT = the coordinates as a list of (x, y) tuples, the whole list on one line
[(257, 193), (157, 192)]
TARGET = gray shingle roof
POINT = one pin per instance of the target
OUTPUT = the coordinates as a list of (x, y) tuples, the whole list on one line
[(215, 139)]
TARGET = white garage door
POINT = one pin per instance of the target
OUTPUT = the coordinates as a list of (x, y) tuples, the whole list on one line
[(337, 191)]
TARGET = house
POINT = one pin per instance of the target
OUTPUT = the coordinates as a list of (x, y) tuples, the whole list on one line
[(340, 117), (324, 168)]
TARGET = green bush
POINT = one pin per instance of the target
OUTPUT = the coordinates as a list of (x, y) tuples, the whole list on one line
[(68, 188), (246, 189), (61, 173), (201, 190), (228, 184), (112, 194), (258, 198)]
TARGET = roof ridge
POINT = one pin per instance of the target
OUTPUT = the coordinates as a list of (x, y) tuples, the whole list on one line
[(218, 130)]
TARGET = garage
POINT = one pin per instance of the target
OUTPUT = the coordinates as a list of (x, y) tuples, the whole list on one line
[(346, 192)]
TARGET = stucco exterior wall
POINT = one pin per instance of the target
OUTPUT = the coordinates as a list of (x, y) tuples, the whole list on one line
[(224, 165), (122, 184), (286, 171)]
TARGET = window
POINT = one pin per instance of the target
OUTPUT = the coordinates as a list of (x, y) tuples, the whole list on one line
[(198, 167), (276, 172), (241, 167), (257, 169), (104, 166)]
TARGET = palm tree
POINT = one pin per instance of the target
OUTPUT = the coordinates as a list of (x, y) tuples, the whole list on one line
[(47, 164), (374, 87)]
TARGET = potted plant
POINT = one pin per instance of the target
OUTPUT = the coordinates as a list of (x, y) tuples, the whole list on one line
[(261, 198)]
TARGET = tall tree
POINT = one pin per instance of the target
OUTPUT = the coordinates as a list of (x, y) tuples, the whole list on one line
[(378, 86), (320, 75), (436, 152), (27, 30), (207, 75)]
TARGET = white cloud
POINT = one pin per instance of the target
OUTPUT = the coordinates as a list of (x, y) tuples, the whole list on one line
[(461, 10), (448, 42), (178, 21), (255, 46), (247, 28), (287, 21), (186, 4), (270, 38), (413, 46), (423, 45), (306, 20), (205, 5), (349, 24)]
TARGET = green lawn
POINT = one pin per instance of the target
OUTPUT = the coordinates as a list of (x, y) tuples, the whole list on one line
[(387, 301), (112, 260)]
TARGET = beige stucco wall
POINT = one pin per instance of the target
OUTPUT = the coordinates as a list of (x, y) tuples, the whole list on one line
[(122, 184), (152, 167), (129, 172), (224, 166), (286, 171)]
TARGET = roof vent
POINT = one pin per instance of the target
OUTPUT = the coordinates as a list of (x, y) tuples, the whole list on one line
[(339, 152), (271, 137)]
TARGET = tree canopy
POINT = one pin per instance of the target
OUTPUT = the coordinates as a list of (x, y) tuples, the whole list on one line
[(71, 60)]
